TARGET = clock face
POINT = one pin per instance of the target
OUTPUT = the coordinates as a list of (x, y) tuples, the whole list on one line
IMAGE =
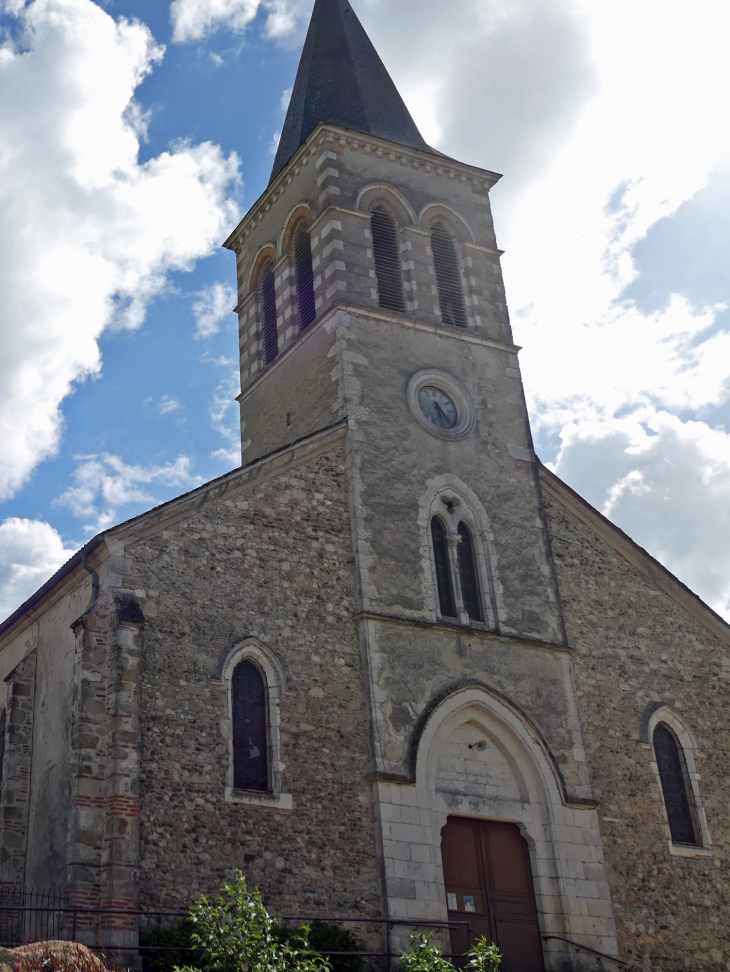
[(437, 407)]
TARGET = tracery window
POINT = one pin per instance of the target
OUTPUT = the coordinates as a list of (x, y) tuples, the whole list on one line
[(250, 743), (460, 590), (304, 273), (448, 277), (268, 313), (678, 798), (386, 254)]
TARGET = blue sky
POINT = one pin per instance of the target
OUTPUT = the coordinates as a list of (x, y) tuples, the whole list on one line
[(135, 134)]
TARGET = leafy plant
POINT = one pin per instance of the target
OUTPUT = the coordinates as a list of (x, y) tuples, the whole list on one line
[(326, 937), (426, 957), (236, 934)]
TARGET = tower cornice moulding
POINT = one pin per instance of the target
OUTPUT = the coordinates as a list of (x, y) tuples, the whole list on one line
[(401, 155)]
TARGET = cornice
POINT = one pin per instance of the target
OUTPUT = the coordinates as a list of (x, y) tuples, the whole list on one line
[(454, 333), (481, 633), (439, 165)]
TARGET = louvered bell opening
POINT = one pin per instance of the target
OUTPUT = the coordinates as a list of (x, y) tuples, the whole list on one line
[(448, 277), (268, 304), (305, 278), (387, 260)]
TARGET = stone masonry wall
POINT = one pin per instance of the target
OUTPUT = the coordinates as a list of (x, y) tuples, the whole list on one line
[(16, 774), (272, 562), (636, 649)]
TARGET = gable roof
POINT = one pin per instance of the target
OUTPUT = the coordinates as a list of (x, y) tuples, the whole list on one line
[(341, 80), (177, 507), (641, 560)]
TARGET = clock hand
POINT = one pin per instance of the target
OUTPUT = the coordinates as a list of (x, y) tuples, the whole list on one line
[(441, 412)]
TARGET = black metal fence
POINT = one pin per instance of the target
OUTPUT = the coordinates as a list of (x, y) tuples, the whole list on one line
[(29, 916)]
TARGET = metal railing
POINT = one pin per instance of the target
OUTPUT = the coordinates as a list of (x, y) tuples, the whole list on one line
[(47, 917), (29, 915)]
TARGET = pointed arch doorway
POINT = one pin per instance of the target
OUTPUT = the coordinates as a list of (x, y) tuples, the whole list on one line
[(488, 882)]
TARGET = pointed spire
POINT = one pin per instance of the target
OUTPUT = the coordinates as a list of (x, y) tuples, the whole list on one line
[(342, 80)]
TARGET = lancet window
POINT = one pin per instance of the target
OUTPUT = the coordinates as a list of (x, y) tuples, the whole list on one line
[(447, 606), (268, 313), (250, 720), (304, 274), (468, 574), (448, 276), (676, 789), (386, 254), (459, 566)]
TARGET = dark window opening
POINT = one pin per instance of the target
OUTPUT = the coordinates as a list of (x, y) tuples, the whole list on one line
[(675, 786), (468, 577), (250, 762), (447, 606), (448, 277), (386, 254), (305, 277), (268, 304)]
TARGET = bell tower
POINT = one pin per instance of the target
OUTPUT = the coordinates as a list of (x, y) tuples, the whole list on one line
[(370, 292)]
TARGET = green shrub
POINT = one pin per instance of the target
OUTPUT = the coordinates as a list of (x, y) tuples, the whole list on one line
[(236, 934), (326, 937), (426, 957)]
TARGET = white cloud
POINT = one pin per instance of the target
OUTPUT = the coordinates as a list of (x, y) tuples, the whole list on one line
[(213, 306), (667, 483), (89, 233), (193, 19), (31, 551), (169, 404), (224, 416), (104, 483)]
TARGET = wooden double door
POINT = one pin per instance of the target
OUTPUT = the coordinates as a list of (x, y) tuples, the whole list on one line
[(489, 883)]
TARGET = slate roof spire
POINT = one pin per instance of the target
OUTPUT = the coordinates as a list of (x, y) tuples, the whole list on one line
[(342, 80)]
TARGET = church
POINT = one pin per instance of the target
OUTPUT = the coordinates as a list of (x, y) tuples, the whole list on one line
[(392, 666)]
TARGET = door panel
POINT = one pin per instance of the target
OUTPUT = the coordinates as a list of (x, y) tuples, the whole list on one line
[(460, 855), (489, 883)]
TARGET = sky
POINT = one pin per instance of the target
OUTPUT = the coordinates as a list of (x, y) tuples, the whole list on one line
[(134, 134)]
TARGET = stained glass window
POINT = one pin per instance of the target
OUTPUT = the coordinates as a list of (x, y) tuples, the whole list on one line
[(250, 750), (675, 785)]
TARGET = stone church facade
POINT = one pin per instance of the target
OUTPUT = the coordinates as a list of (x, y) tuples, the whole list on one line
[(391, 666)]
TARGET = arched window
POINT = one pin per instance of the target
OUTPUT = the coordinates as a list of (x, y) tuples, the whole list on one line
[(678, 798), (250, 744), (443, 569), (305, 277), (468, 577), (386, 254), (448, 276), (268, 308)]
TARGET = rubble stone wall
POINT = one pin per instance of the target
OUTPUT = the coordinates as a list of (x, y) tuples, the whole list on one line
[(271, 561), (636, 651)]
